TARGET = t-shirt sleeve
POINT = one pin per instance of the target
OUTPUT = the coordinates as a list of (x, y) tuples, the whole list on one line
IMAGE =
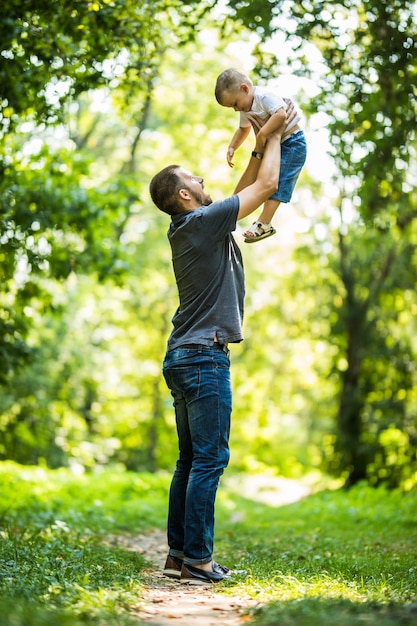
[(244, 121), (271, 102), (219, 218)]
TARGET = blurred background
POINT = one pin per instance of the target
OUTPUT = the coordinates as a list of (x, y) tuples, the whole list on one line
[(96, 97)]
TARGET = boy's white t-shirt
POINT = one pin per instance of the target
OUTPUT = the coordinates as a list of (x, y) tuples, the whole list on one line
[(265, 104)]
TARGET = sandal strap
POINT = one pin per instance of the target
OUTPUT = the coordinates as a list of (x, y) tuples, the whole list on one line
[(259, 225)]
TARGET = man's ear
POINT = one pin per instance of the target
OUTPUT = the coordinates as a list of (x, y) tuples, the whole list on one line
[(184, 194)]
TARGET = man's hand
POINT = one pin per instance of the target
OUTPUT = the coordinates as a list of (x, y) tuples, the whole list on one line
[(291, 110)]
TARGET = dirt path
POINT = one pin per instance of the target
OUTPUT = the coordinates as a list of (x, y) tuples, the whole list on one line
[(167, 602)]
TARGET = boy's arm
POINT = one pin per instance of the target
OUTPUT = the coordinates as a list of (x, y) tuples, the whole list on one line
[(260, 179), (238, 138), (274, 123), (250, 174)]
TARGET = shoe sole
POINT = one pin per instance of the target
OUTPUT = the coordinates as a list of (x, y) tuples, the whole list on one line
[(172, 573), (259, 237), (195, 581)]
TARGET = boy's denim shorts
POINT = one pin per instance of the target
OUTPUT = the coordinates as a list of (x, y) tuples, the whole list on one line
[(293, 157)]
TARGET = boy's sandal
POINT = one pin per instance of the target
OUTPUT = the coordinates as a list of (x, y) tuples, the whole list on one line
[(259, 231)]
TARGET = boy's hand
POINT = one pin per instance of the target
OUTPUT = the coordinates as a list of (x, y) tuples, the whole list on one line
[(230, 153)]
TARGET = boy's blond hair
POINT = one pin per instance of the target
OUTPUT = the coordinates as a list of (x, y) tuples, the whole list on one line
[(228, 81)]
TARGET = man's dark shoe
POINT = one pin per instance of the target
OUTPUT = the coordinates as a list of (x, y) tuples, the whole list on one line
[(172, 567), (222, 569), (196, 576)]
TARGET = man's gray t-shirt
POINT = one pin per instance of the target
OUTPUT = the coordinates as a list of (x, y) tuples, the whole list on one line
[(209, 273)]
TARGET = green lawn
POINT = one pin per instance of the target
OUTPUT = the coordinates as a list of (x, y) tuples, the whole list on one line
[(333, 558)]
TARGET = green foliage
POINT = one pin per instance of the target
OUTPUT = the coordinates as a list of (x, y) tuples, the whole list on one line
[(94, 391), (57, 210), (367, 94), (366, 337), (55, 560), (51, 52), (334, 557), (111, 499), (91, 106)]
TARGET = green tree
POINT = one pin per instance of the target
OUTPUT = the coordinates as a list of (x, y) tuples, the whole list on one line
[(100, 314), (87, 119), (368, 94), (51, 55)]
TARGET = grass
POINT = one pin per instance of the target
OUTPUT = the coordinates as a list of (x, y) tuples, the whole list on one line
[(333, 558), (55, 567)]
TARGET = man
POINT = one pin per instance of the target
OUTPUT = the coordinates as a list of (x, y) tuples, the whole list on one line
[(208, 270)]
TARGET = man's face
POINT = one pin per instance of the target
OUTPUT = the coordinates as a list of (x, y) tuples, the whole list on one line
[(195, 185)]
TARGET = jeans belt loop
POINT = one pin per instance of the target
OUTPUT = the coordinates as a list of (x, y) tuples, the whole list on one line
[(225, 349)]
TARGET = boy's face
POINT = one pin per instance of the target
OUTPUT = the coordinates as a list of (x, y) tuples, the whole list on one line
[(240, 99)]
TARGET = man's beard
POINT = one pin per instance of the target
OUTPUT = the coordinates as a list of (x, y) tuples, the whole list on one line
[(202, 198)]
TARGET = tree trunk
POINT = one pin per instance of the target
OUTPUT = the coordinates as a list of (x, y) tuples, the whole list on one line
[(349, 426)]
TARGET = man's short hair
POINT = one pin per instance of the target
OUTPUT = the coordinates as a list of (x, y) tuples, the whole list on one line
[(164, 188)]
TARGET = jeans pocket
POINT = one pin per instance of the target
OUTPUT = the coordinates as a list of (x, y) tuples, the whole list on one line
[(183, 381)]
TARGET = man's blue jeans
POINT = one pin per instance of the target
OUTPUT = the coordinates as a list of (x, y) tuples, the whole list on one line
[(199, 379)]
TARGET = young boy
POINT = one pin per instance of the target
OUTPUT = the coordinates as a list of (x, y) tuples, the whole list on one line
[(262, 109)]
